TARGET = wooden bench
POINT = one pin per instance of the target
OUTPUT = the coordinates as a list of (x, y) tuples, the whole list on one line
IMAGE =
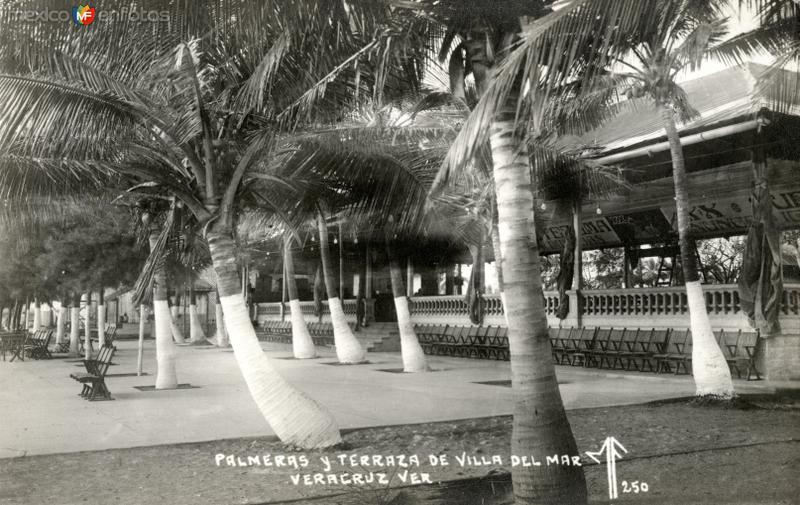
[(37, 343), (109, 334), (13, 343), (93, 380)]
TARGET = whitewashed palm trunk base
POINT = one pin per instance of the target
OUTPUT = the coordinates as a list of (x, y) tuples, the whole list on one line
[(166, 375), (413, 356), (60, 321), (294, 417), (140, 354), (222, 332), (87, 336), (711, 373), (177, 334), (302, 343), (101, 325), (37, 318), (74, 330), (196, 332), (348, 349)]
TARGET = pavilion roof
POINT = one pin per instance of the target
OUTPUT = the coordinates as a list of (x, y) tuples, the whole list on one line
[(718, 97)]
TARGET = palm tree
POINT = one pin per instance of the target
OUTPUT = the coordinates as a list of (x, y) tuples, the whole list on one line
[(74, 328), (302, 343), (684, 36), (525, 80), (348, 349), (196, 333), (411, 350), (174, 303), (166, 374)]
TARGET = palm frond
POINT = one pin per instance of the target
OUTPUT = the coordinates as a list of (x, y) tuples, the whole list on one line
[(143, 289), (576, 41), (50, 118)]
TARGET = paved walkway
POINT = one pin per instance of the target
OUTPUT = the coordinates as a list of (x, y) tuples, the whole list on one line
[(40, 412)]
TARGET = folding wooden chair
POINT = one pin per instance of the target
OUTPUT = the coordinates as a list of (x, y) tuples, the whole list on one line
[(597, 353), (747, 346), (656, 346), (679, 352)]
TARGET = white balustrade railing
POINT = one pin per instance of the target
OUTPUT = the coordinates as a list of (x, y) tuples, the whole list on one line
[(663, 306), (720, 299), (272, 311)]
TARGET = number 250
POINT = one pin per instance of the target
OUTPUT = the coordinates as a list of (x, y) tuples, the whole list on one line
[(635, 487)]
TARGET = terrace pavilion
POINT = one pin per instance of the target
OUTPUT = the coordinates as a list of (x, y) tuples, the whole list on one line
[(739, 151)]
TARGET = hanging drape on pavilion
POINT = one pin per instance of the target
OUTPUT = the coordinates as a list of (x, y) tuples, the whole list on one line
[(474, 296), (319, 292), (566, 269), (761, 280)]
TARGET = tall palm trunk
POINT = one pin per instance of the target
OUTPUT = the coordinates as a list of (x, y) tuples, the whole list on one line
[(15, 316), (101, 318), (166, 375), (540, 423), (49, 318), (302, 343), (75, 325), (711, 373), (348, 349), (412, 353), (60, 321), (87, 328), (196, 333), (37, 314), (27, 316), (294, 417), (177, 334)]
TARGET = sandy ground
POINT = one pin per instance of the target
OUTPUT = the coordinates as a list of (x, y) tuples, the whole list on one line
[(683, 452)]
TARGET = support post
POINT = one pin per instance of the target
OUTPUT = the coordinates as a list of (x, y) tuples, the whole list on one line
[(368, 280), (577, 273), (341, 263), (409, 277), (449, 279), (626, 283)]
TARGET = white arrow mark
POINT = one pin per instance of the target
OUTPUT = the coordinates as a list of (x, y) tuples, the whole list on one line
[(610, 446)]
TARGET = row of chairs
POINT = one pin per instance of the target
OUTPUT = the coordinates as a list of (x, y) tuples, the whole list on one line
[(21, 344), (281, 332), (643, 349), (482, 342)]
